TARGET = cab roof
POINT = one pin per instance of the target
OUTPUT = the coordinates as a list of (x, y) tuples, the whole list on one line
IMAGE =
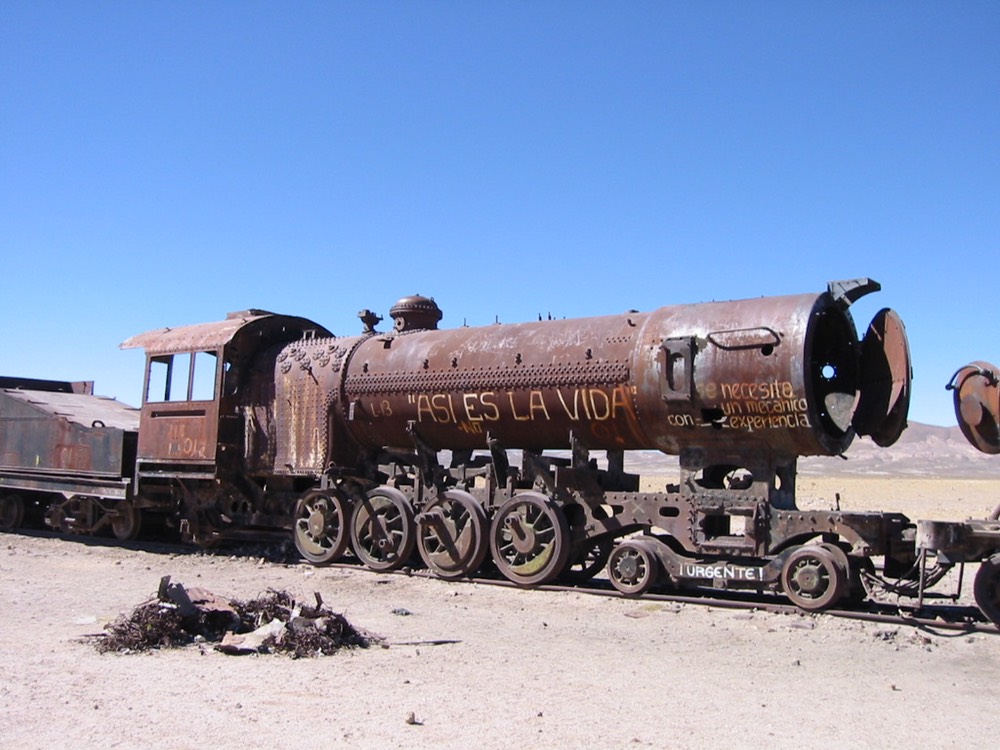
[(212, 336)]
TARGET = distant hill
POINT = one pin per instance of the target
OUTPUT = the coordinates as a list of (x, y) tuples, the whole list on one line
[(922, 451)]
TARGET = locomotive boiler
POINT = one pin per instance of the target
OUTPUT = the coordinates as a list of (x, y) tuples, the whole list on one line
[(784, 376)]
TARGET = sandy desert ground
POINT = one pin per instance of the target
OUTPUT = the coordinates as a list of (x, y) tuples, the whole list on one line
[(526, 669)]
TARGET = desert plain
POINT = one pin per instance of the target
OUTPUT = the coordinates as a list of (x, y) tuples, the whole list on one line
[(468, 665)]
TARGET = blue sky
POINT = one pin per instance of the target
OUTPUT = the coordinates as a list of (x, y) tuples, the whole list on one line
[(162, 163)]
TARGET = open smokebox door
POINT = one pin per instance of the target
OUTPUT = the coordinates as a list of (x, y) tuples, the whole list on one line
[(886, 371), (977, 404)]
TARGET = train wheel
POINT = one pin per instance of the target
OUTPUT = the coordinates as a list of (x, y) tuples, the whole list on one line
[(588, 561), (11, 512), (126, 521), (383, 532), (320, 529), (814, 577), (987, 588), (530, 539), (452, 534), (58, 517), (860, 571), (633, 568)]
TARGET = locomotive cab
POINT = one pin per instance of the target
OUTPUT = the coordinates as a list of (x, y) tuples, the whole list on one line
[(205, 391)]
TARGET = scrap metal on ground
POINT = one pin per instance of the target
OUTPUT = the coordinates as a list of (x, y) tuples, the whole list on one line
[(273, 623)]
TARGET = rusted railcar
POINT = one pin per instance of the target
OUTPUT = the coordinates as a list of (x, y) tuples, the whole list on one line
[(69, 454)]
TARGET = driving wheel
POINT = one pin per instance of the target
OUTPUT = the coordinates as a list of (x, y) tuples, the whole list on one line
[(320, 528), (530, 539), (452, 534), (383, 532), (588, 561)]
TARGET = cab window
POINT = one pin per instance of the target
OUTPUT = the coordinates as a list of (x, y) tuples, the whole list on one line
[(189, 376)]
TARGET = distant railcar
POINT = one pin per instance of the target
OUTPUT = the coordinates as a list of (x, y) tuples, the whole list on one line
[(69, 454)]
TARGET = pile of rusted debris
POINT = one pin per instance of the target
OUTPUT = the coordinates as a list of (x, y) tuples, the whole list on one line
[(274, 623)]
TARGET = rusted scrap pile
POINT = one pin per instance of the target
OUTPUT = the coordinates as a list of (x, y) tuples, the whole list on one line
[(274, 623)]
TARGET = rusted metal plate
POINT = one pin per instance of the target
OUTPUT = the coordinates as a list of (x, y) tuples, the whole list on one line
[(304, 391), (80, 409), (180, 433), (305, 431), (977, 404), (50, 386), (200, 337)]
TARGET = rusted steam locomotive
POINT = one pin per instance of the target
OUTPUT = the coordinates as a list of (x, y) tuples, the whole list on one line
[(441, 442)]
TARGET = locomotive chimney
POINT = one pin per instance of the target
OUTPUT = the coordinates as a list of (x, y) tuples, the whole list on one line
[(415, 313)]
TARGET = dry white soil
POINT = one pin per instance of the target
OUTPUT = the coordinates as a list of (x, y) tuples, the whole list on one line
[(527, 669)]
